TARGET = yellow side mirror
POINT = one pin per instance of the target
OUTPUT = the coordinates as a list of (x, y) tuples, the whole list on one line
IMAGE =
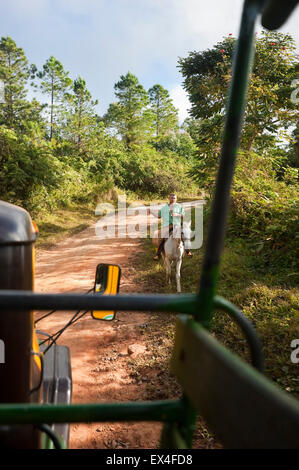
[(106, 283)]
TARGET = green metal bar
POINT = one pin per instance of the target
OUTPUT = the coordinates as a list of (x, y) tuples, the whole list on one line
[(23, 300), (230, 143), (277, 12), (47, 441), (255, 346), (186, 426), (241, 406), (168, 410), (48, 444), (171, 438)]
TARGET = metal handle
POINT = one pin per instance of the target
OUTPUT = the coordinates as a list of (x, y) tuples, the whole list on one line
[(276, 12)]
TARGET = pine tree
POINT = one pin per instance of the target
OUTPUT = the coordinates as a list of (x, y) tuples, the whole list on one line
[(82, 127), (14, 73), (83, 115), (130, 116), (165, 117), (55, 83)]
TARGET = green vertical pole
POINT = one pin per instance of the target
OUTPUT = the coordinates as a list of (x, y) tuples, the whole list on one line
[(230, 142)]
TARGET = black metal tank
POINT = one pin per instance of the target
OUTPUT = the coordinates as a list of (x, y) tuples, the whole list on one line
[(19, 374)]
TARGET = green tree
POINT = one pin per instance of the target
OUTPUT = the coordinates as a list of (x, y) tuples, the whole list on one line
[(26, 162), (55, 83), (269, 111), (14, 74), (81, 117), (130, 116), (191, 126), (165, 115), (293, 153), (179, 144)]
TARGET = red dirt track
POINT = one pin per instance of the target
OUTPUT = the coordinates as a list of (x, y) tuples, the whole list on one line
[(99, 350)]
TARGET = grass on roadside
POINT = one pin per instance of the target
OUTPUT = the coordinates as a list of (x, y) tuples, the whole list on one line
[(62, 223), (268, 297), (158, 335)]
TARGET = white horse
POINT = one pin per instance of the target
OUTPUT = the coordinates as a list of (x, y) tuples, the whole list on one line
[(174, 250)]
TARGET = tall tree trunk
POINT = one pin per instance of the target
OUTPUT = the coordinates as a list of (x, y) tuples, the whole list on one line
[(79, 124), (52, 103), (9, 102)]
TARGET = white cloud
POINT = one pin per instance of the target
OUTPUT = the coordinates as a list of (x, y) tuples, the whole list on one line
[(180, 101), (27, 9)]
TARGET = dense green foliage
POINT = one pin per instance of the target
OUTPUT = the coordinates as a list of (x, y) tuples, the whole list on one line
[(265, 212), (159, 172), (55, 83), (130, 116), (264, 197), (14, 74), (269, 112), (61, 152), (164, 113)]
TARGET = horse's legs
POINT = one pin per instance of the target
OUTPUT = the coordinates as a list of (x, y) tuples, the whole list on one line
[(167, 269), (178, 275)]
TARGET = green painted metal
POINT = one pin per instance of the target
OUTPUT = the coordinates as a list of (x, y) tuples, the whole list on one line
[(241, 406), (171, 438), (47, 442), (230, 143), (255, 346), (276, 12), (18, 300), (186, 303), (168, 410)]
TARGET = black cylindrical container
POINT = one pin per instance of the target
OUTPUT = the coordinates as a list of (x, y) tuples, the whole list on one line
[(19, 372)]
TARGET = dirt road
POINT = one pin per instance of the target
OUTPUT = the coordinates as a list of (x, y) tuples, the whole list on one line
[(99, 350)]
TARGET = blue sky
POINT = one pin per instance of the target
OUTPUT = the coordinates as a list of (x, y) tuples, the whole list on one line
[(103, 39)]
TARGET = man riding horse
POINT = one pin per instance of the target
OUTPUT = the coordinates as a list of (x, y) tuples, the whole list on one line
[(171, 214)]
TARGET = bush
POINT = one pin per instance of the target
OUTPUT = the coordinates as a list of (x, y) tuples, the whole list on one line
[(25, 164), (33, 177), (148, 172), (265, 211)]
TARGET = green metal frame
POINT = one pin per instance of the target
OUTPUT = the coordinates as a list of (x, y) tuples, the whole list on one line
[(242, 407), (168, 410), (179, 416)]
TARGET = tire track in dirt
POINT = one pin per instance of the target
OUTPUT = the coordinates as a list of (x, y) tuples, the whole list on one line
[(99, 350)]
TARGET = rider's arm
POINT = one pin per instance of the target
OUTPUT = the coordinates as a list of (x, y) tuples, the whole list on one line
[(179, 214), (155, 213)]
